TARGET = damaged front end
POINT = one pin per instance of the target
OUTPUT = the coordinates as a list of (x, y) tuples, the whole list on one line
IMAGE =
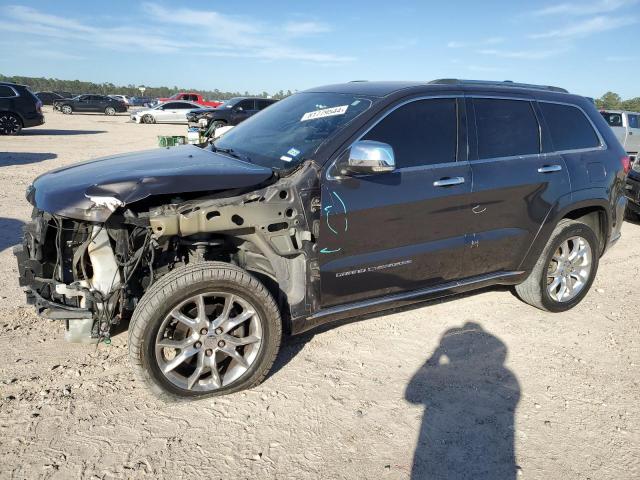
[(92, 274), (77, 271)]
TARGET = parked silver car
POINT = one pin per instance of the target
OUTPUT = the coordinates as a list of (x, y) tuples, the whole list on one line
[(170, 112), (626, 126)]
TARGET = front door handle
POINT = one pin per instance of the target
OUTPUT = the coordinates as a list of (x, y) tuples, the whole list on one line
[(448, 181), (549, 169)]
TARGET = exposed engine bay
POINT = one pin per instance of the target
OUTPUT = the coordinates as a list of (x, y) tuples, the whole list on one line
[(92, 274)]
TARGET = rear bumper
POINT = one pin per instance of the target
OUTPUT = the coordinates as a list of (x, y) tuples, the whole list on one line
[(33, 120)]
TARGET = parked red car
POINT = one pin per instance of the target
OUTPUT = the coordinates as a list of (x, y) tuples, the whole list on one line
[(191, 97)]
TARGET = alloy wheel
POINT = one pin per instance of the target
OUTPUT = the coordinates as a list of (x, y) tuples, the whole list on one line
[(9, 124), (569, 269), (208, 341)]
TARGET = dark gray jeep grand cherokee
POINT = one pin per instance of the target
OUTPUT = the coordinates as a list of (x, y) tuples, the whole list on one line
[(334, 202)]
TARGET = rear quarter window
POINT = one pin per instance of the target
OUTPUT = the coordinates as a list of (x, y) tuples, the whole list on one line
[(6, 92), (569, 127)]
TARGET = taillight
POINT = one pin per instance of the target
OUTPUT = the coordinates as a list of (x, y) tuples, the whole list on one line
[(39, 106), (626, 164)]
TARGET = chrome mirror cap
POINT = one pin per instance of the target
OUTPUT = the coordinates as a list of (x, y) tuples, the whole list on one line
[(369, 156)]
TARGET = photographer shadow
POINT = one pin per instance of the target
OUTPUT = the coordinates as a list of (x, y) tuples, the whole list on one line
[(470, 399)]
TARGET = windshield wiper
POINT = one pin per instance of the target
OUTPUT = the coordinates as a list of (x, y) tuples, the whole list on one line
[(231, 152)]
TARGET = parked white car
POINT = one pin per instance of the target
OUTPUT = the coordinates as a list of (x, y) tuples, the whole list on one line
[(170, 112), (626, 126), (123, 98)]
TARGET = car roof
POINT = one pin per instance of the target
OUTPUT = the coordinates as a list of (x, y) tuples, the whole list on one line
[(385, 88)]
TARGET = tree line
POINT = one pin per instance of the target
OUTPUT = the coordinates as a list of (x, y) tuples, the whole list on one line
[(42, 84), (613, 101)]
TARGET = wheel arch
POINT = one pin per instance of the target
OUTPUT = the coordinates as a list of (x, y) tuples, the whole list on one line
[(589, 206)]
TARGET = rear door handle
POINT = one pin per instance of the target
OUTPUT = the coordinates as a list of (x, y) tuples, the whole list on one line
[(447, 182), (549, 168)]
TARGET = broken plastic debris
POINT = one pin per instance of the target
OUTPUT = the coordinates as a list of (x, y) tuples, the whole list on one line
[(111, 203)]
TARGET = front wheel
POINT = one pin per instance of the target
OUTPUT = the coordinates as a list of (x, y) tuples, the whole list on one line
[(148, 119), (66, 109), (205, 329), (565, 270), (109, 111)]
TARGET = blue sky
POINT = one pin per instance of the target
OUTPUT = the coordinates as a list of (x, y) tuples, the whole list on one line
[(587, 46)]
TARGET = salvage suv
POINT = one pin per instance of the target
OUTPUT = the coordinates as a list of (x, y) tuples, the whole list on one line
[(334, 202)]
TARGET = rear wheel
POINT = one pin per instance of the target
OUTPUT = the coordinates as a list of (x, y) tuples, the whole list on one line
[(110, 111), (66, 109), (204, 329), (148, 119), (10, 124), (565, 270)]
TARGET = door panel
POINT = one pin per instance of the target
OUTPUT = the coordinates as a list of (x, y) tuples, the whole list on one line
[(392, 232), (633, 136), (398, 231), (511, 194)]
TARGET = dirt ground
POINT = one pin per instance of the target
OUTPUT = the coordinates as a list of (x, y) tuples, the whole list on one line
[(463, 388)]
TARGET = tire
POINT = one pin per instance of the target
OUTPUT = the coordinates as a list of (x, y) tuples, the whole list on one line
[(10, 124), (148, 119), (535, 289), (174, 293), (218, 123), (66, 109), (110, 111)]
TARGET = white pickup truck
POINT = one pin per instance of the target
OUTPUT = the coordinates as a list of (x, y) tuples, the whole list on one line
[(626, 126)]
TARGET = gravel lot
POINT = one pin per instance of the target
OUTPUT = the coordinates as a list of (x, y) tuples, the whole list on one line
[(463, 388)]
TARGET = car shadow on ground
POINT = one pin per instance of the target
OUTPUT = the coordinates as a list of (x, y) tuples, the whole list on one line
[(24, 158), (469, 396), (50, 131), (10, 232)]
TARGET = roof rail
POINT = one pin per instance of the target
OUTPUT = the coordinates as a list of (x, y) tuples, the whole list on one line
[(505, 83)]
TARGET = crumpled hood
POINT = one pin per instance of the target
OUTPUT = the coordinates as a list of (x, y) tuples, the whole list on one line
[(131, 177)]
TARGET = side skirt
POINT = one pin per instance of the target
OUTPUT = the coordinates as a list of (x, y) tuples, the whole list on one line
[(398, 300)]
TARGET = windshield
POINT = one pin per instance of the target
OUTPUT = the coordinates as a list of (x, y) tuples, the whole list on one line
[(291, 130)]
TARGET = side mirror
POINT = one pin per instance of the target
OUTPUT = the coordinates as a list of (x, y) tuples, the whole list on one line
[(369, 157), (239, 109)]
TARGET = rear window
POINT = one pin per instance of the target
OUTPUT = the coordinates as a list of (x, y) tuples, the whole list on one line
[(506, 128), (569, 127), (613, 119)]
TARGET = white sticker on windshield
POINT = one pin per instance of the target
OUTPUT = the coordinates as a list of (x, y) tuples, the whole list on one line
[(284, 158), (293, 152), (325, 112)]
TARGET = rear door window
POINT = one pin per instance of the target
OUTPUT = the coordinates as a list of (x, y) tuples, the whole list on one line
[(569, 127), (613, 119), (423, 132), (247, 105), (506, 128)]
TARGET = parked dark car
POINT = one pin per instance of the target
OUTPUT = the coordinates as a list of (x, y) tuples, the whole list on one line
[(334, 202), (19, 108), (90, 103), (142, 101), (231, 112), (47, 98), (633, 192)]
